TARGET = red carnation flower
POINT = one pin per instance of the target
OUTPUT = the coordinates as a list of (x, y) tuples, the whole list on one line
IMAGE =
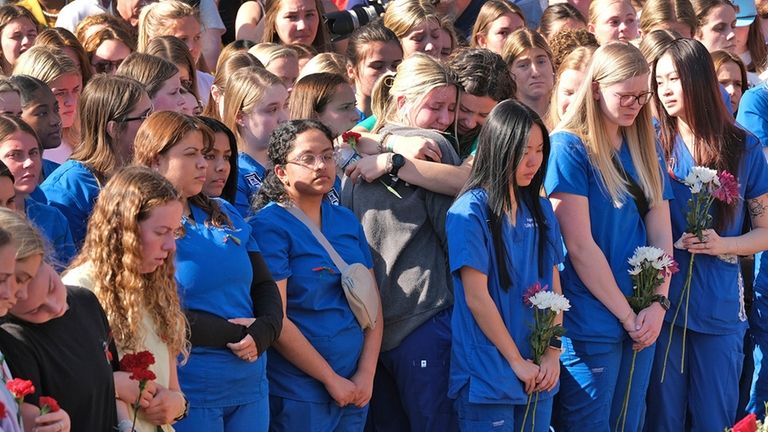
[(532, 291), (140, 360), (747, 424), (48, 404), (20, 388), (346, 136), (142, 375)]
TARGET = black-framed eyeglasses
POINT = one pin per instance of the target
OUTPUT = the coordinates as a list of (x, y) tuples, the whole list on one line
[(106, 66), (310, 160), (629, 100), (141, 117)]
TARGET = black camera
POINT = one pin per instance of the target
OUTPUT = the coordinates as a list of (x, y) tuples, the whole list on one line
[(342, 23)]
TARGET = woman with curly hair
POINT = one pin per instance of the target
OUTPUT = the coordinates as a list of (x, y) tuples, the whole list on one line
[(222, 278), (130, 244)]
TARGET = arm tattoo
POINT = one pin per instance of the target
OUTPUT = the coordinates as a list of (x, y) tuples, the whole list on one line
[(756, 208)]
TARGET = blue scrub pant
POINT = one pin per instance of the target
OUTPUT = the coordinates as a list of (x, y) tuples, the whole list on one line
[(758, 394), (702, 398), (501, 417), (252, 417), (410, 389), (593, 381), (289, 415)]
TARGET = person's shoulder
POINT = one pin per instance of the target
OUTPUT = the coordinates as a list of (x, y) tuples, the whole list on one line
[(70, 170), (473, 200), (340, 214)]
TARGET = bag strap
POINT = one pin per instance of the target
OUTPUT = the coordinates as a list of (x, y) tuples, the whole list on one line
[(633, 188), (335, 257)]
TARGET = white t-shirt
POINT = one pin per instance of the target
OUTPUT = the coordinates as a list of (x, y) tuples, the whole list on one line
[(71, 14)]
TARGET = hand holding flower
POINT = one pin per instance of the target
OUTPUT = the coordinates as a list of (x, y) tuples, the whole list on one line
[(54, 421), (649, 322), (549, 371), (164, 407), (527, 371), (128, 391), (710, 244)]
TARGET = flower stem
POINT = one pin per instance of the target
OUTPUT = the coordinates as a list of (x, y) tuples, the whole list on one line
[(625, 406), (687, 291), (525, 416), (674, 317), (533, 415)]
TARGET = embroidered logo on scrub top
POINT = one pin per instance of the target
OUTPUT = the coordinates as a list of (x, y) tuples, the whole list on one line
[(333, 197), (253, 179), (529, 223)]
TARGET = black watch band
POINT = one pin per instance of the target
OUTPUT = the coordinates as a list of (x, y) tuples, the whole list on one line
[(663, 301), (556, 343), (398, 161)]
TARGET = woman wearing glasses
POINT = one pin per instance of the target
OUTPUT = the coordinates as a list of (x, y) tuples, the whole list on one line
[(323, 364), (609, 192), (112, 109), (107, 48), (229, 295)]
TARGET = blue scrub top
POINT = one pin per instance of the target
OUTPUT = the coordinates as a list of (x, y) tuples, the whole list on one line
[(214, 274), (72, 188), (250, 175), (616, 229), (716, 303), (753, 112), (56, 229), (315, 298), (49, 166), (475, 360)]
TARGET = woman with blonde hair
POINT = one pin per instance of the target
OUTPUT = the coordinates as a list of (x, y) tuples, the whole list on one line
[(160, 78), (113, 108), (130, 245), (612, 20), (496, 20), (419, 100), (325, 97), (64, 39), (568, 79), (107, 48), (224, 70), (18, 32), (52, 66), (609, 192), (530, 63), (221, 275), (280, 60), (296, 21), (677, 15), (255, 103), (417, 25), (171, 18)]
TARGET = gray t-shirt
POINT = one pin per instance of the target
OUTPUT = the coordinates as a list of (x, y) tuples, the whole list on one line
[(407, 238)]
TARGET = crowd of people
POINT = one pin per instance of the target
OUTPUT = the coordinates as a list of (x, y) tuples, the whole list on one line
[(200, 180)]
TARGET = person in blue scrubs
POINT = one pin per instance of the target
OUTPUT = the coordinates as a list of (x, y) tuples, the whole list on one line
[(40, 110), (111, 110), (231, 300), (493, 264), (324, 362), (221, 179), (255, 103), (21, 159), (702, 393), (607, 185)]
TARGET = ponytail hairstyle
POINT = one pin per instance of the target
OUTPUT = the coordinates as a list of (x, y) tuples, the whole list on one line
[(244, 91), (659, 14), (613, 63), (718, 141), (158, 134), (224, 70), (281, 142), (416, 76), (501, 147)]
